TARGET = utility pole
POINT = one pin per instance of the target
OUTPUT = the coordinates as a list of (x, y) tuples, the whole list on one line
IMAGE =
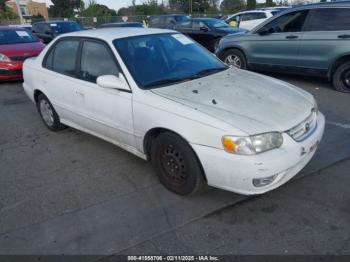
[(19, 12), (190, 9)]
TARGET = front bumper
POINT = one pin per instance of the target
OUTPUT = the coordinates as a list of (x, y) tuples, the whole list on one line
[(236, 172), (11, 70)]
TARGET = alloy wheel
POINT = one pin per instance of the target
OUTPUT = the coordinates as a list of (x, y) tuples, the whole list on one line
[(46, 112), (233, 60)]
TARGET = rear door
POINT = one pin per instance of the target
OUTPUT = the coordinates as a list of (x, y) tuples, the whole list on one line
[(280, 46), (327, 36), (60, 78)]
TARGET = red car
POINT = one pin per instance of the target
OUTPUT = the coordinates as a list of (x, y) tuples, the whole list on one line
[(16, 44)]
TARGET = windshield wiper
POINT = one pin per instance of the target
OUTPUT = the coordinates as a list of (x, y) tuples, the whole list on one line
[(165, 82), (208, 71)]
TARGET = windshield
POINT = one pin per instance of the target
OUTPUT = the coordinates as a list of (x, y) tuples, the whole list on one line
[(165, 59), (61, 28), (17, 37), (217, 23), (180, 19)]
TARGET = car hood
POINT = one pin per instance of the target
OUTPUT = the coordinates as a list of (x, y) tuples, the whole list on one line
[(25, 49), (247, 101)]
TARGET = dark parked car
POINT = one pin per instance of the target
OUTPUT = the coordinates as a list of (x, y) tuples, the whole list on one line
[(121, 24), (207, 31), (167, 21), (49, 30), (311, 39)]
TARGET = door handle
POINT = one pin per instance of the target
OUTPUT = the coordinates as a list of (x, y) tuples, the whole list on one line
[(291, 36), (345, 36), (79, 93)]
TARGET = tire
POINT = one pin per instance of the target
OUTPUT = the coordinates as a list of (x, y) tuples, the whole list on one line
[(177, 165), (48, 114), (234, 57), (341, 78)]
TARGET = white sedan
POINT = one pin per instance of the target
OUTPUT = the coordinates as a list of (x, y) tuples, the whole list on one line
[(250, 19), (161, 96)]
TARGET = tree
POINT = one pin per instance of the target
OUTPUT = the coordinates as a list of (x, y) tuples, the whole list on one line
[(198, 6), (269, 3), (232, 6), (62, 8), (148, 7), (251, 4), (5, 12), (97, 10)]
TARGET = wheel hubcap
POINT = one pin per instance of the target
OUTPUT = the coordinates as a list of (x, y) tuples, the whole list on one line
[(233, 60), (46, 112), (173, 166)]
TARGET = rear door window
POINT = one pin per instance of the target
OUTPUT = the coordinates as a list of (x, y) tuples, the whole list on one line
[(62, 58), (329, 19), (253, 16)]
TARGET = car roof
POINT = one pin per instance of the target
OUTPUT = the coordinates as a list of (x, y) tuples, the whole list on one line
[(205, 18), (168, 15), (53, 22), (11, 28), (326, 4), (110, 34), (122, 23)]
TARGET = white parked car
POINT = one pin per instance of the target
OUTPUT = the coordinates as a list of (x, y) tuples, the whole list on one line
[(250, 19), (161, 96)]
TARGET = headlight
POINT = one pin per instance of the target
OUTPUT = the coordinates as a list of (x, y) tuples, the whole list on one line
[(252, 144), (4, 58)]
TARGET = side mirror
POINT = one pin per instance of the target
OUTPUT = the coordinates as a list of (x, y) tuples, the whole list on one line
[(204, 28), (263, 31), (112, 82)]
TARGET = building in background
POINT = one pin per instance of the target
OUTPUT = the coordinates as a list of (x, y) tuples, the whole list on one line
[(29, 8)]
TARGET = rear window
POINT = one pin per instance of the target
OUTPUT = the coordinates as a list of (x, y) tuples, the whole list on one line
[(329, 19), (253, 16), (17, 37)]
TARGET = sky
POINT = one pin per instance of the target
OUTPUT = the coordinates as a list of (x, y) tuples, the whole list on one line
[(113, 4)]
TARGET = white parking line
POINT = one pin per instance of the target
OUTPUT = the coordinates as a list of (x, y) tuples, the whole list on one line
[(347, 126)]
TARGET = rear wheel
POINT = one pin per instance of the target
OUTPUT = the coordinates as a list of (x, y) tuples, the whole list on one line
[(48, 114), (341, 78), (176, 165), (234, 57)]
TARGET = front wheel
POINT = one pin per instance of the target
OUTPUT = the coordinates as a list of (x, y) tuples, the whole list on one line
[(234, 57), (341, 78), (176, 165)]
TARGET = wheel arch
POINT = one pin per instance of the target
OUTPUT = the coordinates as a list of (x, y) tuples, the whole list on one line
[(336, 63), (36, 94), (234, 48), (153, 133)]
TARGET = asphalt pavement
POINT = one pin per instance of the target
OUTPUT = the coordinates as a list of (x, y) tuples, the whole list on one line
[(71, 193)]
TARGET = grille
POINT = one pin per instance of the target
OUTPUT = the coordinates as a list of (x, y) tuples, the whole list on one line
[(305, 128), (4, 72)]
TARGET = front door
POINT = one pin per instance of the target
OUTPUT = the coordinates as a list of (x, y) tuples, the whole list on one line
[(279, 46), (105, 112)]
